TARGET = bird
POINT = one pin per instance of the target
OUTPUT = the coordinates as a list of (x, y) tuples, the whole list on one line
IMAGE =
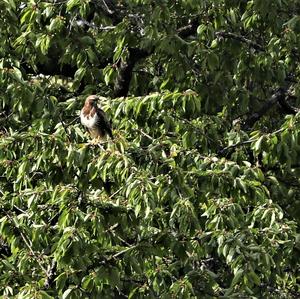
[(95, 119)]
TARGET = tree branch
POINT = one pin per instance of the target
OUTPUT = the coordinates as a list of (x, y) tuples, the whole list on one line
[(289, 109), (51, 68), (125, 70), (240, 38), (279, 95), (189, 29), (245, 142), (50, 275)]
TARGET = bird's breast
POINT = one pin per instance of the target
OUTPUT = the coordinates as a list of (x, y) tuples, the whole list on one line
[(88, 120)]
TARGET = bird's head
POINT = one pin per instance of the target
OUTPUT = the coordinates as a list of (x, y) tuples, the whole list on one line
[(92, 100)]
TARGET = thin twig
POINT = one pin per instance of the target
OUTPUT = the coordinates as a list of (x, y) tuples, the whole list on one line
[(65, 128), (59, 2), (240, 143), (240, 38), (115, 193), (20, 210), (111, 230), (27, 243), (33, 253), (145, 134), (107, 8), (73, 121), (124, 251)]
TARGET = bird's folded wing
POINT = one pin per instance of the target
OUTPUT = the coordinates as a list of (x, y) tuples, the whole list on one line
[(103, 122)]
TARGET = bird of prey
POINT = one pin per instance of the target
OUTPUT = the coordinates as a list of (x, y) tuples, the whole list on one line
[(95, 119)]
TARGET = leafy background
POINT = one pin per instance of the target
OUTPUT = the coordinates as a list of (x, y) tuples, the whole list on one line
[(198, 194)]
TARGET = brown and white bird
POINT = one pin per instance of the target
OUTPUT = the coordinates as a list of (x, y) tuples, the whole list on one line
[(95, 119)]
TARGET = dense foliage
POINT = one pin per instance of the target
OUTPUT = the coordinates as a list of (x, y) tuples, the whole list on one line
[(197, 196)]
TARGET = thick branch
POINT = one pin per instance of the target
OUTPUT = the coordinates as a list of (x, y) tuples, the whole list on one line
[(110, 8), (50, 275), (51, 68), (125, 70), (279, 95), (289, 109), (240, 38), (188, 30)]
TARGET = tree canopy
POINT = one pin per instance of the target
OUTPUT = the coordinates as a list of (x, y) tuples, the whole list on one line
[(197, 196)]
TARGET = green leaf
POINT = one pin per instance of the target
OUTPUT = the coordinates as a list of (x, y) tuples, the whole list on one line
[(61, 281), (67, 293), (44, 295), (258, 143), (72, 3), (237, 277), (79, 74)]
